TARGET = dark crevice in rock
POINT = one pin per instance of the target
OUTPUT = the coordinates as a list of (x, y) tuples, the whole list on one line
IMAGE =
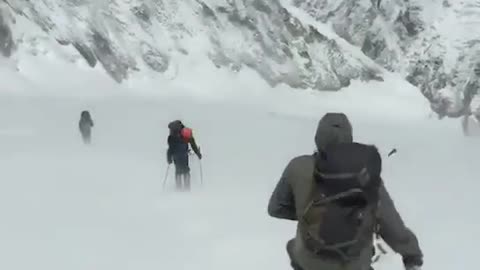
[(313, 35), (63, 42), (142, 12), (262, 6), (86, 52), (155, 59), (223, 10), (373, 47), (244, 22), (104, 52), (7, 45), (207, 11)]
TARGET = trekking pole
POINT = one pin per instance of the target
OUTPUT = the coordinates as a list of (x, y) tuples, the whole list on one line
[(377, 245), (166, 177), (201, 172), (383, 251)]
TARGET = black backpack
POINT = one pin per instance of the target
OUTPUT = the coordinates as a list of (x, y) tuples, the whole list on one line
[(340, 218)]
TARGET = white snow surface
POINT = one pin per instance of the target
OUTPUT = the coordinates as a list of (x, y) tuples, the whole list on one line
[(67, 206)]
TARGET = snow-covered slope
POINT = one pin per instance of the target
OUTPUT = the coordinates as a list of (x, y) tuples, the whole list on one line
[(433, 43), (312, 44), (167, 37), (66, 206)]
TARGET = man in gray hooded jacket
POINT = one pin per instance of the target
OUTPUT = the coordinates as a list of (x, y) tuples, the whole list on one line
[(290, 198)]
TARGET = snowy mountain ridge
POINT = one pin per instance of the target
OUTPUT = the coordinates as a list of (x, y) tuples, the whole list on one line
[(433, 44), (312, 44), (126, 36)]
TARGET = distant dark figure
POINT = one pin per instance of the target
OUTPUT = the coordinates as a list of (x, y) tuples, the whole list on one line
[(377, 3), (85, 125), (178, 149)]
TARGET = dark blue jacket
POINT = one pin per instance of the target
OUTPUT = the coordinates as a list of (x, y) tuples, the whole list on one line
[(177, 147)]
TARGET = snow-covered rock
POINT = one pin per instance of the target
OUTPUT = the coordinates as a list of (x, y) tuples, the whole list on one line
[(434, 44), (6, 38), (128, 36)]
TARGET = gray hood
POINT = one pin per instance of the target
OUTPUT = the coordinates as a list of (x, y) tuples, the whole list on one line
[(333, 128)]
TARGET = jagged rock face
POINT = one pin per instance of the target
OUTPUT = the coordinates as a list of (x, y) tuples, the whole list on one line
[(471, 125), (6, 39), (439, 54), (446, 64), (382, 29), (127, 36)]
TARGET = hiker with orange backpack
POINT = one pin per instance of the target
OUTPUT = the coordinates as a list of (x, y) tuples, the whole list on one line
[(178, 149)]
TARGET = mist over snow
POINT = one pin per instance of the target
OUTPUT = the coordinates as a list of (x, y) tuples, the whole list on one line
[(250, 79), (67, 206)]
